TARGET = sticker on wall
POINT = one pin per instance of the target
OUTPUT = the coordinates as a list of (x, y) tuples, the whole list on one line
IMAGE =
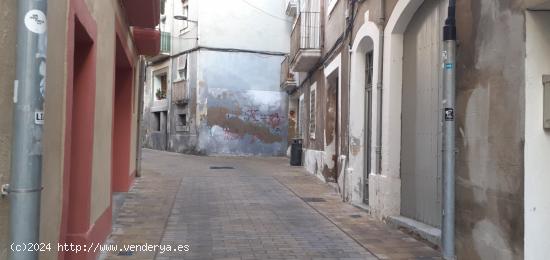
[(15, 90), (449, 114), (39, 117), (35, 21)]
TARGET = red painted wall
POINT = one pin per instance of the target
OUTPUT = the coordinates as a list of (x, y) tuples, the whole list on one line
[(79, 135), (122, 178)]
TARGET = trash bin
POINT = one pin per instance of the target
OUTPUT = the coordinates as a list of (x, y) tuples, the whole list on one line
[(296, 152)]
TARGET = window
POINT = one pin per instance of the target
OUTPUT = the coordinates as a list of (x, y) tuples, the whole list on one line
[(182, 119), (301, 116), (369, 68), (184, 13), (181, 65), (160, 86), (312, 110), (182, 125)]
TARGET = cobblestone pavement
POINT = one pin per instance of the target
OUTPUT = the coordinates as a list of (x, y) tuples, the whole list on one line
[(4, 226), (261, 209)]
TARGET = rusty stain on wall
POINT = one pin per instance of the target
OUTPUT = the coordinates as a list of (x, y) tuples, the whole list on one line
[(236, 128)]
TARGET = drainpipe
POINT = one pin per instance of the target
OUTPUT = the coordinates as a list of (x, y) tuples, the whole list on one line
[(449, 89), (28, 117), (379, 86), (142, 71)]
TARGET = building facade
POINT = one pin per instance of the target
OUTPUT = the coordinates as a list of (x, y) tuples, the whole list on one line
[(214, 91), (364, 81), (90, 130)]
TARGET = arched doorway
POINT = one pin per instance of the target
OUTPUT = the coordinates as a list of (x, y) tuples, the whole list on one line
[(362, 126)]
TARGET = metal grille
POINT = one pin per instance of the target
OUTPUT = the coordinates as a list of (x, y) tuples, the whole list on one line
[(221, 168), (314, 200)]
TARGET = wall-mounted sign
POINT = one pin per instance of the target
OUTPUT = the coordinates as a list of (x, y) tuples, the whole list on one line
[(39, 117), (449, 114)]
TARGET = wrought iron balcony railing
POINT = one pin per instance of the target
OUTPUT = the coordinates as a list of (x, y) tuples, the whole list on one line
[(306, 34)]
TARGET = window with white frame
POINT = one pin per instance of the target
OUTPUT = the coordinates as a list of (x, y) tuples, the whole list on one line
[(181, 67), (301, 116), (184, 13), (312, 111)]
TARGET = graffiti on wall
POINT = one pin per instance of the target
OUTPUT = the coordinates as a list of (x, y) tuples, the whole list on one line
[(246, 122)]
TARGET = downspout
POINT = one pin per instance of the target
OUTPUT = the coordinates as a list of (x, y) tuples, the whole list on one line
[(351, 20), (142, 71), (379, 86), (449, 148), (28, 118)]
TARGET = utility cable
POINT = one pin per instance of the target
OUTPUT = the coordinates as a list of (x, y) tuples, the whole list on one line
[(266, 12)]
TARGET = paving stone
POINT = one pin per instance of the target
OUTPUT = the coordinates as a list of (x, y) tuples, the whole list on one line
[(254, 211)]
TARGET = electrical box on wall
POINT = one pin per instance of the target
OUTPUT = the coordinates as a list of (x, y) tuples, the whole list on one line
[(546, 102)]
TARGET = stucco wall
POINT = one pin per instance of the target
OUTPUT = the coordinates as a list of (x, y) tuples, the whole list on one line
[(7, 76), (185, 141), (491, 111), (246, 112), (333, 22), (104, 15), (537, 140), (243, 24), (154, 139), (54, 127)]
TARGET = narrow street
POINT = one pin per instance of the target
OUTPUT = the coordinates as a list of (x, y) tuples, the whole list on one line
[(247, 208)]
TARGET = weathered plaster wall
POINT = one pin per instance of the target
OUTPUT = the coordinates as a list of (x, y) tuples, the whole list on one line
[(537, 140), (366, 38), (333, 23), (185, 141), (8, 17), (237, 24), (241, 109), (491, 112), (154, 139), (101, 169)]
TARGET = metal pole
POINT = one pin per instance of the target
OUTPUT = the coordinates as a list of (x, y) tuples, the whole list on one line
[(449, 85), (142, 76), (28, 118), (379, 86)]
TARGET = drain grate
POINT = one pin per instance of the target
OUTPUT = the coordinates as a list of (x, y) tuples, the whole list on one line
[(355, 216), (221, 168), (314, 200)]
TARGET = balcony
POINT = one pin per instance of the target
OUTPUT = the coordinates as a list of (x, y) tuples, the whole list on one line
[(165, 43), (180, 93), (288, 80), (305, 46)]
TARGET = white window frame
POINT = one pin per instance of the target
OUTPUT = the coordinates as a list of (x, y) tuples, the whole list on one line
[(184, 24), (301, 116), (185, 68), (157, 83), (313, 110)]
